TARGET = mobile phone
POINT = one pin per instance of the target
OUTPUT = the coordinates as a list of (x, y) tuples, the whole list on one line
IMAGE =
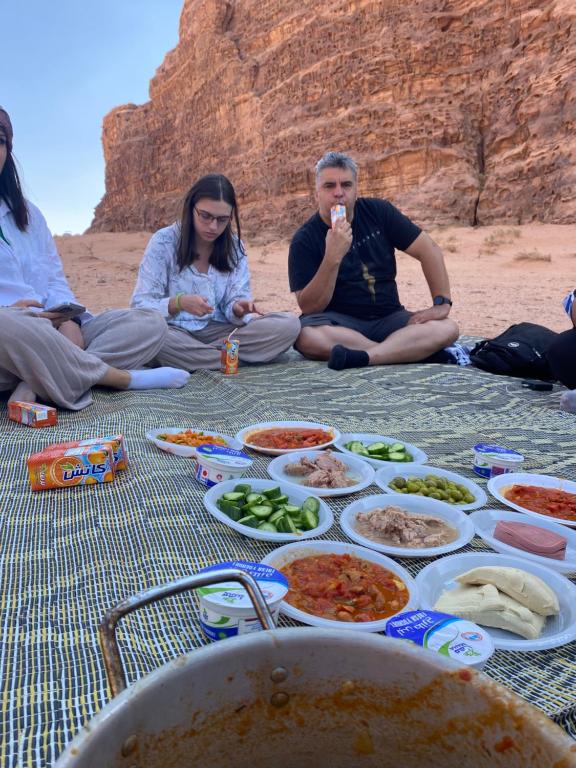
[(540, 386), (69, 309)]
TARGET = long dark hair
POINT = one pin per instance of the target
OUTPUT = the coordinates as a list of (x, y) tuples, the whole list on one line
[(214, 186), (11, 189)]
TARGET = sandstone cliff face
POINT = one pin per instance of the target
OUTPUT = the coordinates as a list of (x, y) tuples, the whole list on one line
[(460, 111)]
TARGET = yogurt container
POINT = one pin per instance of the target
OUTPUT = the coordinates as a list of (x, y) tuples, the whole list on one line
[(442, 633), (492, 460), (226, 609), (216, 464)]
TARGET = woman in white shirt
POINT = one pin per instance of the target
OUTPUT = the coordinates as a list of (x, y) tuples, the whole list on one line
[(195, 273), (44, 354)]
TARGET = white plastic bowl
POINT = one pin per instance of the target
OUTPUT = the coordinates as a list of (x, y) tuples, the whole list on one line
[(296, 497), (356, 468), (385, 476), (187, 450), (285, 555), (368, 438), (244, 435), (415, 504), (439, 576), (497, 484)]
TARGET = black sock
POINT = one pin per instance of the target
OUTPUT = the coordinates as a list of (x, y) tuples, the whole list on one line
[(342, 357)]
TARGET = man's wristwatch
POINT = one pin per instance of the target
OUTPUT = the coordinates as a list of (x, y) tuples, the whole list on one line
[(437, 300)]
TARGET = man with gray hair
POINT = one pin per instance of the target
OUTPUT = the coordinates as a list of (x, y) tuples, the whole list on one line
[(342, 268)]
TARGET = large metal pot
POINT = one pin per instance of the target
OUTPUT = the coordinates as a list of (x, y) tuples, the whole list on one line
[(293, 698)]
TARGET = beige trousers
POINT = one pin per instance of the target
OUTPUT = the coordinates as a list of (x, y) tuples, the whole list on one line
[(261, 340), (31, 350)]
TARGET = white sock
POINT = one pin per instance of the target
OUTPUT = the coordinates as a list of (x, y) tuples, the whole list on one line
[(158, 378), (568, 401)]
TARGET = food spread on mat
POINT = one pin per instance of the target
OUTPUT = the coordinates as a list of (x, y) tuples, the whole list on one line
[(434, 486), (503, 597), (344, 588), (192, 439), (324, 471), (399, 528), (546, 501), (531, 538), (287, 438), (382, 451), (269, 510)]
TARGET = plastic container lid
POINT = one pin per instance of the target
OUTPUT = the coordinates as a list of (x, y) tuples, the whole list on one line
[(496, 453), (459, 639), (217, 457), (232, 596)]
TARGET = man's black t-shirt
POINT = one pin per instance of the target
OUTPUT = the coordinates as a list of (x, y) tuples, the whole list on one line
[(366, 282)]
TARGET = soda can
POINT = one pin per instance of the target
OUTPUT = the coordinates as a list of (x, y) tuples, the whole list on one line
[(229, 356), (337, 212)]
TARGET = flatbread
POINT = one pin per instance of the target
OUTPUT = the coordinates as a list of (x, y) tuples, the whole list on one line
[(527, 589)]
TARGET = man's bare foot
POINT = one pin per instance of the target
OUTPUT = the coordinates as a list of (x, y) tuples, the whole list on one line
[(24, 393)]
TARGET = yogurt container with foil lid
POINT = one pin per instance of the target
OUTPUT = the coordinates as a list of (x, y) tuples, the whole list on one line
[(448, 635), (492, 460), (226, 609), (216, 464)]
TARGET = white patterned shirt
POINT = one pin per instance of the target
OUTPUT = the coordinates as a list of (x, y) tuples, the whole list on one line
[(159, 279)]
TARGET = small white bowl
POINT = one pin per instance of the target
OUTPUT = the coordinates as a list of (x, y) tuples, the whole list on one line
[(419, 457), (244, 435), (296, 497), (497, 484), (416, 504), (356, 468), (285, 555), (485, 521), (187, 450), (385, 476), (439, 576)]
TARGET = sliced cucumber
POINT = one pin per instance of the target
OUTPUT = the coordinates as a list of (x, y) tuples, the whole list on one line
[(272, 493), (234, 496)]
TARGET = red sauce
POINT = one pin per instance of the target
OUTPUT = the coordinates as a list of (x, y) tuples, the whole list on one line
[(546, 501), (289, 437), (344, 588)]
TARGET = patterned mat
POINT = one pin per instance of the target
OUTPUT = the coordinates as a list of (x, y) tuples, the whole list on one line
[(67, 555)]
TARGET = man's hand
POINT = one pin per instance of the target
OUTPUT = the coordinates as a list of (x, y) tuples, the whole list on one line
[(338, 241), (72, 332), (195, 305), (24, 303), (245, 307), (437, 312)]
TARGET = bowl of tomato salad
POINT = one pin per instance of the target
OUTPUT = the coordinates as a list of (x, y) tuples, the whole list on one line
[(335, 584), (278, 437)]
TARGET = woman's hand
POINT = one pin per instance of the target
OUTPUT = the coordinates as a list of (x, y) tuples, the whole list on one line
[(72, 332), (192, 303), (244, 307)]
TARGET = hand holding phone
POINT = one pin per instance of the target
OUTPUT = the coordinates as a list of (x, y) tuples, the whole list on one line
[(69, 309)]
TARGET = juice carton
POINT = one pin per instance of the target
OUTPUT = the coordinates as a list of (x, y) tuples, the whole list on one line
[(229, 356), (32, 414), (64, 467), (115, 441)]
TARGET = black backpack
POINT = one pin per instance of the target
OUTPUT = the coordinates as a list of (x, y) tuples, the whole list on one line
[(519, 351)]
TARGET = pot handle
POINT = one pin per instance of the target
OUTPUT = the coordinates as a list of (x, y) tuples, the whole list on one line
[(107, 628)]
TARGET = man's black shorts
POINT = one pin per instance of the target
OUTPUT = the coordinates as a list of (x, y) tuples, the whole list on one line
[(375, 330)]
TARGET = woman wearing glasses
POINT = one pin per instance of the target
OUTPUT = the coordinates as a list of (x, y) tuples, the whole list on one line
[(195, 272)]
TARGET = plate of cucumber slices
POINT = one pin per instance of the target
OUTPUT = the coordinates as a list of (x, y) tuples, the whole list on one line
[(269, 511), (379, 450)]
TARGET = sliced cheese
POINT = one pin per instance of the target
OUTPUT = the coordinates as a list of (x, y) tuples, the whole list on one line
[(486, 605), (527, 589)]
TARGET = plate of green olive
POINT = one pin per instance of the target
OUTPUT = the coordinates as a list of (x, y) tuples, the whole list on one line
[(433, 482)]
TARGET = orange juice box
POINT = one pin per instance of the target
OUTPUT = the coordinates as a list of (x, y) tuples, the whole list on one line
[(116, 441), (64, 467), (32, 414)]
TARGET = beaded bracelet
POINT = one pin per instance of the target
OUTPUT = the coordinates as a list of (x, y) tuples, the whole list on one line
[(177, 301)]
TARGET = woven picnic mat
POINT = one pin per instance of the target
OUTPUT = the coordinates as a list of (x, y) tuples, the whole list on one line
[(67, 555)]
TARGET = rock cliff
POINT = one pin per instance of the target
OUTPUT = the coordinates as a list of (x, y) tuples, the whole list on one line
[(460, 111)]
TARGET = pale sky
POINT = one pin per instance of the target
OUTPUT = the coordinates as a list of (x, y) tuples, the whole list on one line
[(63, 65)]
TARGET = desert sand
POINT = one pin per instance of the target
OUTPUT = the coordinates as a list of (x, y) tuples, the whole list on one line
[(499, 275)]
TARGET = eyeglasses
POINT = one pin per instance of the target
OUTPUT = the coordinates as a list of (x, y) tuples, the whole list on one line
[(209, 218)]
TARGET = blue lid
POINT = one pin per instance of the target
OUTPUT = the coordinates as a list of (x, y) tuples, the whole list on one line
[(498, 450), (228, 456)]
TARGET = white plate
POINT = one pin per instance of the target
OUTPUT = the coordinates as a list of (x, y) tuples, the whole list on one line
[(386, 474), (244, 435), (186, 450), (496, 484), (285, 555), (364, 437), (558, 630), (415, 504), (485, 521), (356, 468), (296, 497)]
